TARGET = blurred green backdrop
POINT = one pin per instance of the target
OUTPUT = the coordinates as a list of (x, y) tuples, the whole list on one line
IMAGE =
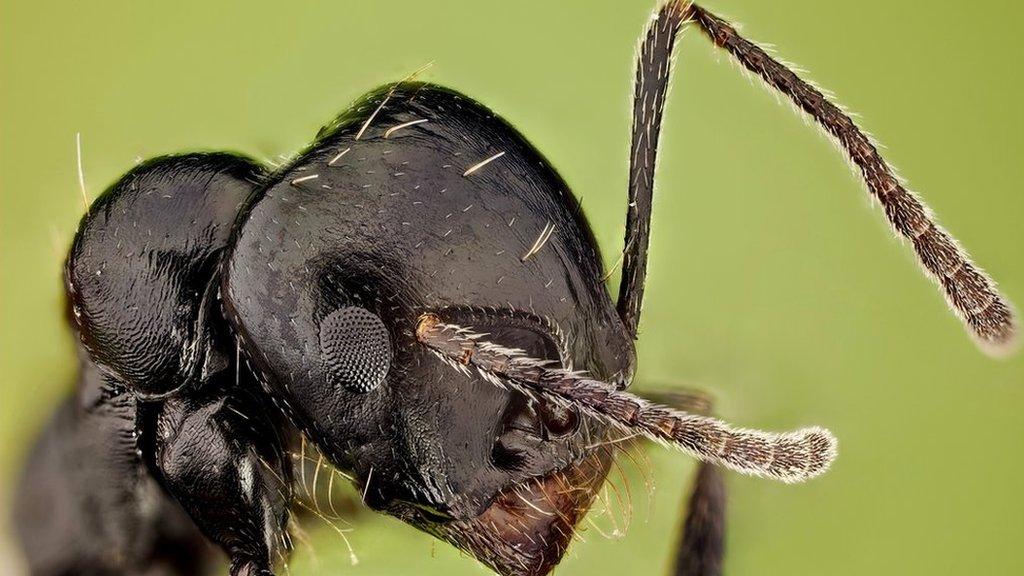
[(773, 282)]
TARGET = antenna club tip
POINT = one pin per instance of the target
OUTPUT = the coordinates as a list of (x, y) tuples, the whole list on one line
[(822, 449), (822, 439), (1002, 342)]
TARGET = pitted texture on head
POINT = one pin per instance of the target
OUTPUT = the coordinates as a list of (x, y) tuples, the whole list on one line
[(142, 272), (355, 348)]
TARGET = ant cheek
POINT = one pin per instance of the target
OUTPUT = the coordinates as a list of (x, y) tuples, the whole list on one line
[(355, 348)]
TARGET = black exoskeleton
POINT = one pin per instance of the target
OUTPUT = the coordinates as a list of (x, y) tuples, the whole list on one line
[(418, 296)]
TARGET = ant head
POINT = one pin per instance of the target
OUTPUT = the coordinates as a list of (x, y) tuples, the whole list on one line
[(419, 200)]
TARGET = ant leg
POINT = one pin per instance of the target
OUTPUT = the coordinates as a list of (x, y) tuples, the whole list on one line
[(702, 539), (702, 542), (87, 504), (683, 399), (219, 454)]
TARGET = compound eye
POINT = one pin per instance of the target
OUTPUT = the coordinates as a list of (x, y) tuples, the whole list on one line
[(355, 348)]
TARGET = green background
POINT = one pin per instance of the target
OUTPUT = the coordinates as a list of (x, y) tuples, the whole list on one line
[(773, 281)]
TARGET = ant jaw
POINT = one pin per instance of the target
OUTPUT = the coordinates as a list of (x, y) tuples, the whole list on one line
[(529, 526)]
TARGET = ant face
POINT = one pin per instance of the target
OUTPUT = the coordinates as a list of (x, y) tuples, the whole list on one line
[(432, 205)]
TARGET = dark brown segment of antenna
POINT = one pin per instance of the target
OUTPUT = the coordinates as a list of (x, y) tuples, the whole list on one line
[(652, 79), (971, 294)]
